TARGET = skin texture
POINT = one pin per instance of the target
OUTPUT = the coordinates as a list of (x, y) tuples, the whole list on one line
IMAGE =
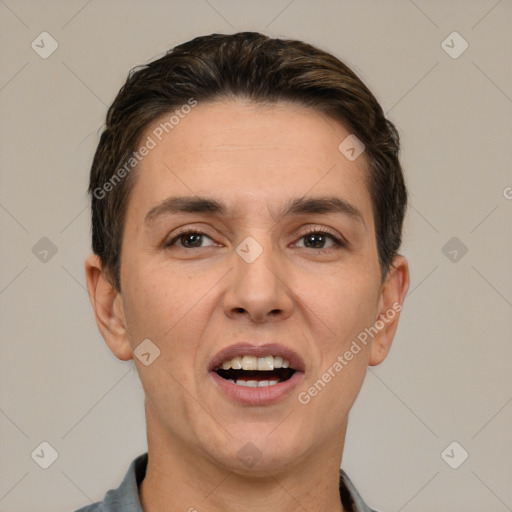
[(193, 302)]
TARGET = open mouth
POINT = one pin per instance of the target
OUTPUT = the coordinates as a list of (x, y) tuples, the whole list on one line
[(251, 371)]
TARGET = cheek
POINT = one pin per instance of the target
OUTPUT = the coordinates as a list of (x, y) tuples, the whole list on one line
[(343, 304), (167, 306), (156, 308), (344, 310)]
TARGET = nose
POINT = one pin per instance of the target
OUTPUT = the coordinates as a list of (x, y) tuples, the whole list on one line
[(259, 289)]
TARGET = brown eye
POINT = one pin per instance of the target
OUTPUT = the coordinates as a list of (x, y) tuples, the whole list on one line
[(319, 239), (315, 240), (190, 240)]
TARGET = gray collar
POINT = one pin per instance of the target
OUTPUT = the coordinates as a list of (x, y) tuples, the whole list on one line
[(126, 497)]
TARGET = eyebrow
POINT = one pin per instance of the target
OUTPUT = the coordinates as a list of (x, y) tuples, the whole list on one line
[(298, 206)]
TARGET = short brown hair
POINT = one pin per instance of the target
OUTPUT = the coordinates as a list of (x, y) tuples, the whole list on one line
[(264, 70)]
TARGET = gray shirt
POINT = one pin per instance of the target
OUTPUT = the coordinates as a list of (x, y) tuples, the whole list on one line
[(126, 497)]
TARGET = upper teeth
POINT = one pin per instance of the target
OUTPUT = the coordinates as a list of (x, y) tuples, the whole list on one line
[(255, 363)]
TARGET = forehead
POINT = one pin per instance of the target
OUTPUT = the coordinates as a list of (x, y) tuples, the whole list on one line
[(252, 129), (249, 154)]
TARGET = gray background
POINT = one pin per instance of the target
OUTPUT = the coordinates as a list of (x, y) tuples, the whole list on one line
[(448, 375)]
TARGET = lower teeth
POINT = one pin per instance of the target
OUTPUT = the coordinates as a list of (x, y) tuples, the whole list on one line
[(254, 383)]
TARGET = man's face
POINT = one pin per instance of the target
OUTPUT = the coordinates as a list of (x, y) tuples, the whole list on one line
[(250, 273)]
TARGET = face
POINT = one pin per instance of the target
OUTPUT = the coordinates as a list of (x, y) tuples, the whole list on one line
[(249, 234)]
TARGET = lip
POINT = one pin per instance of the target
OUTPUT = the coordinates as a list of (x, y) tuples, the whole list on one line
[(257, 396)]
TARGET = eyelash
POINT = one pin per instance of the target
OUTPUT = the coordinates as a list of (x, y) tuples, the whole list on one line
[(339, 243)]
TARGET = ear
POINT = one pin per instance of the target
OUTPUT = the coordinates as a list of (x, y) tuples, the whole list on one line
[(393, 292), (107, 304)]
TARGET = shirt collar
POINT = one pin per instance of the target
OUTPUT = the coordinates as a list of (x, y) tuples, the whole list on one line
[(126, 497)]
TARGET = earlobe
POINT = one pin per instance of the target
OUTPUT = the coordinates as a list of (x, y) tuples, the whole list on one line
[(391, 300), (107, 304)]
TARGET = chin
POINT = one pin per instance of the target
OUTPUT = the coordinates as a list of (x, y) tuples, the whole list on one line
[(253, 452)]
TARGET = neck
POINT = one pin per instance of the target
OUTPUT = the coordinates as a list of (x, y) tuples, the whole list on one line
[(179, 478)]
